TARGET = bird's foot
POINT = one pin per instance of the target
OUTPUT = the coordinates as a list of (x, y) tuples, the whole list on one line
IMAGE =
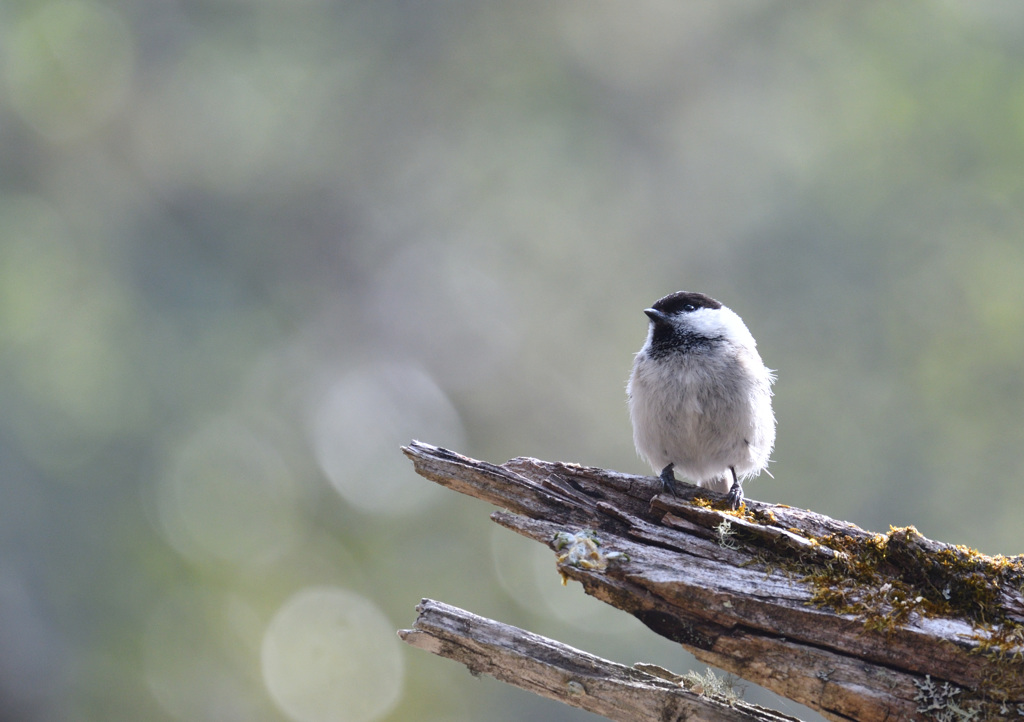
[(735, 495), (668, 480)]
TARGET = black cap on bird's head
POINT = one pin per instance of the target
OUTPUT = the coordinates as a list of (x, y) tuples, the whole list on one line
[(686, 321), (679, 302)]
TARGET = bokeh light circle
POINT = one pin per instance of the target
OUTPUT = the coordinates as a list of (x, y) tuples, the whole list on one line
[(527, 572), (229, 495), (330, 655), (359, 420)]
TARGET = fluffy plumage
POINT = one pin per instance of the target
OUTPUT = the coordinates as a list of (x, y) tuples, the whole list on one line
[(700, 396)]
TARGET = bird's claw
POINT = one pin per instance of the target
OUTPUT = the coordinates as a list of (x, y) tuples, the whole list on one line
[(668, 480), (735, 495)]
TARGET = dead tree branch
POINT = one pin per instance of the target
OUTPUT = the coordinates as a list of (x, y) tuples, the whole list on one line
[(859, 626), (559, 672)]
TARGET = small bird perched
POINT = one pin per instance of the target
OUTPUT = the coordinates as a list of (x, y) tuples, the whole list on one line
[(700, 396)]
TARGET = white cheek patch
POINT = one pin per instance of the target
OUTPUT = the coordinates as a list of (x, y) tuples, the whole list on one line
[(720, 323)]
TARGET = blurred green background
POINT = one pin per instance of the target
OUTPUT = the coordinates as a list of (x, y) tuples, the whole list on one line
[(250, 247)]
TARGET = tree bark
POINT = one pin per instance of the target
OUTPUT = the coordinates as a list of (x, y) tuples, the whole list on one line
[(559, 672), (856, 625)]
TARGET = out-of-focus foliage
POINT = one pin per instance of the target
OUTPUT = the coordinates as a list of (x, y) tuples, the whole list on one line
[(248, 247)]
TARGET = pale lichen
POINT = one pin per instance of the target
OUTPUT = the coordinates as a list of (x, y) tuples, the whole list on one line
[(726, 535), (711, 685), (583, 550), (940, 702)]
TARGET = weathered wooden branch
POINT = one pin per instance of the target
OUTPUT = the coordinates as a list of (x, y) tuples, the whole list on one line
[(859, 626), (557, 671)]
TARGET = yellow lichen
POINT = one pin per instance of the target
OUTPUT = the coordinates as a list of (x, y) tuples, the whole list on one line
[(887, 579)]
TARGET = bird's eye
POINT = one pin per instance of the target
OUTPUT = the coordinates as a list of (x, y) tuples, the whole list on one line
[(689, 307)]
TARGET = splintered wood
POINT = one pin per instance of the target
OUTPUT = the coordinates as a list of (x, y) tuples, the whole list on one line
[(856, 625)]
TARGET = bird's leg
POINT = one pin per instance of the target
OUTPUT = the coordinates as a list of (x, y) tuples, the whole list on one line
[(668, 479), (735, 495)]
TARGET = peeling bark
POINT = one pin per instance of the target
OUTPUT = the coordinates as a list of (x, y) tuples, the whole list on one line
[(856, 625), (559, 672)]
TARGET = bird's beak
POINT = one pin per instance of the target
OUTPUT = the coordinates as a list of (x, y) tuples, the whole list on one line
[(655, 315)]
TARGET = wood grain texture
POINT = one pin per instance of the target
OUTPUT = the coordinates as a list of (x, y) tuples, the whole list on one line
[(856, 625), (557, 671)]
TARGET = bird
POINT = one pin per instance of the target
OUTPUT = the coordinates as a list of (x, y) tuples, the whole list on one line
[(700, 397)]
